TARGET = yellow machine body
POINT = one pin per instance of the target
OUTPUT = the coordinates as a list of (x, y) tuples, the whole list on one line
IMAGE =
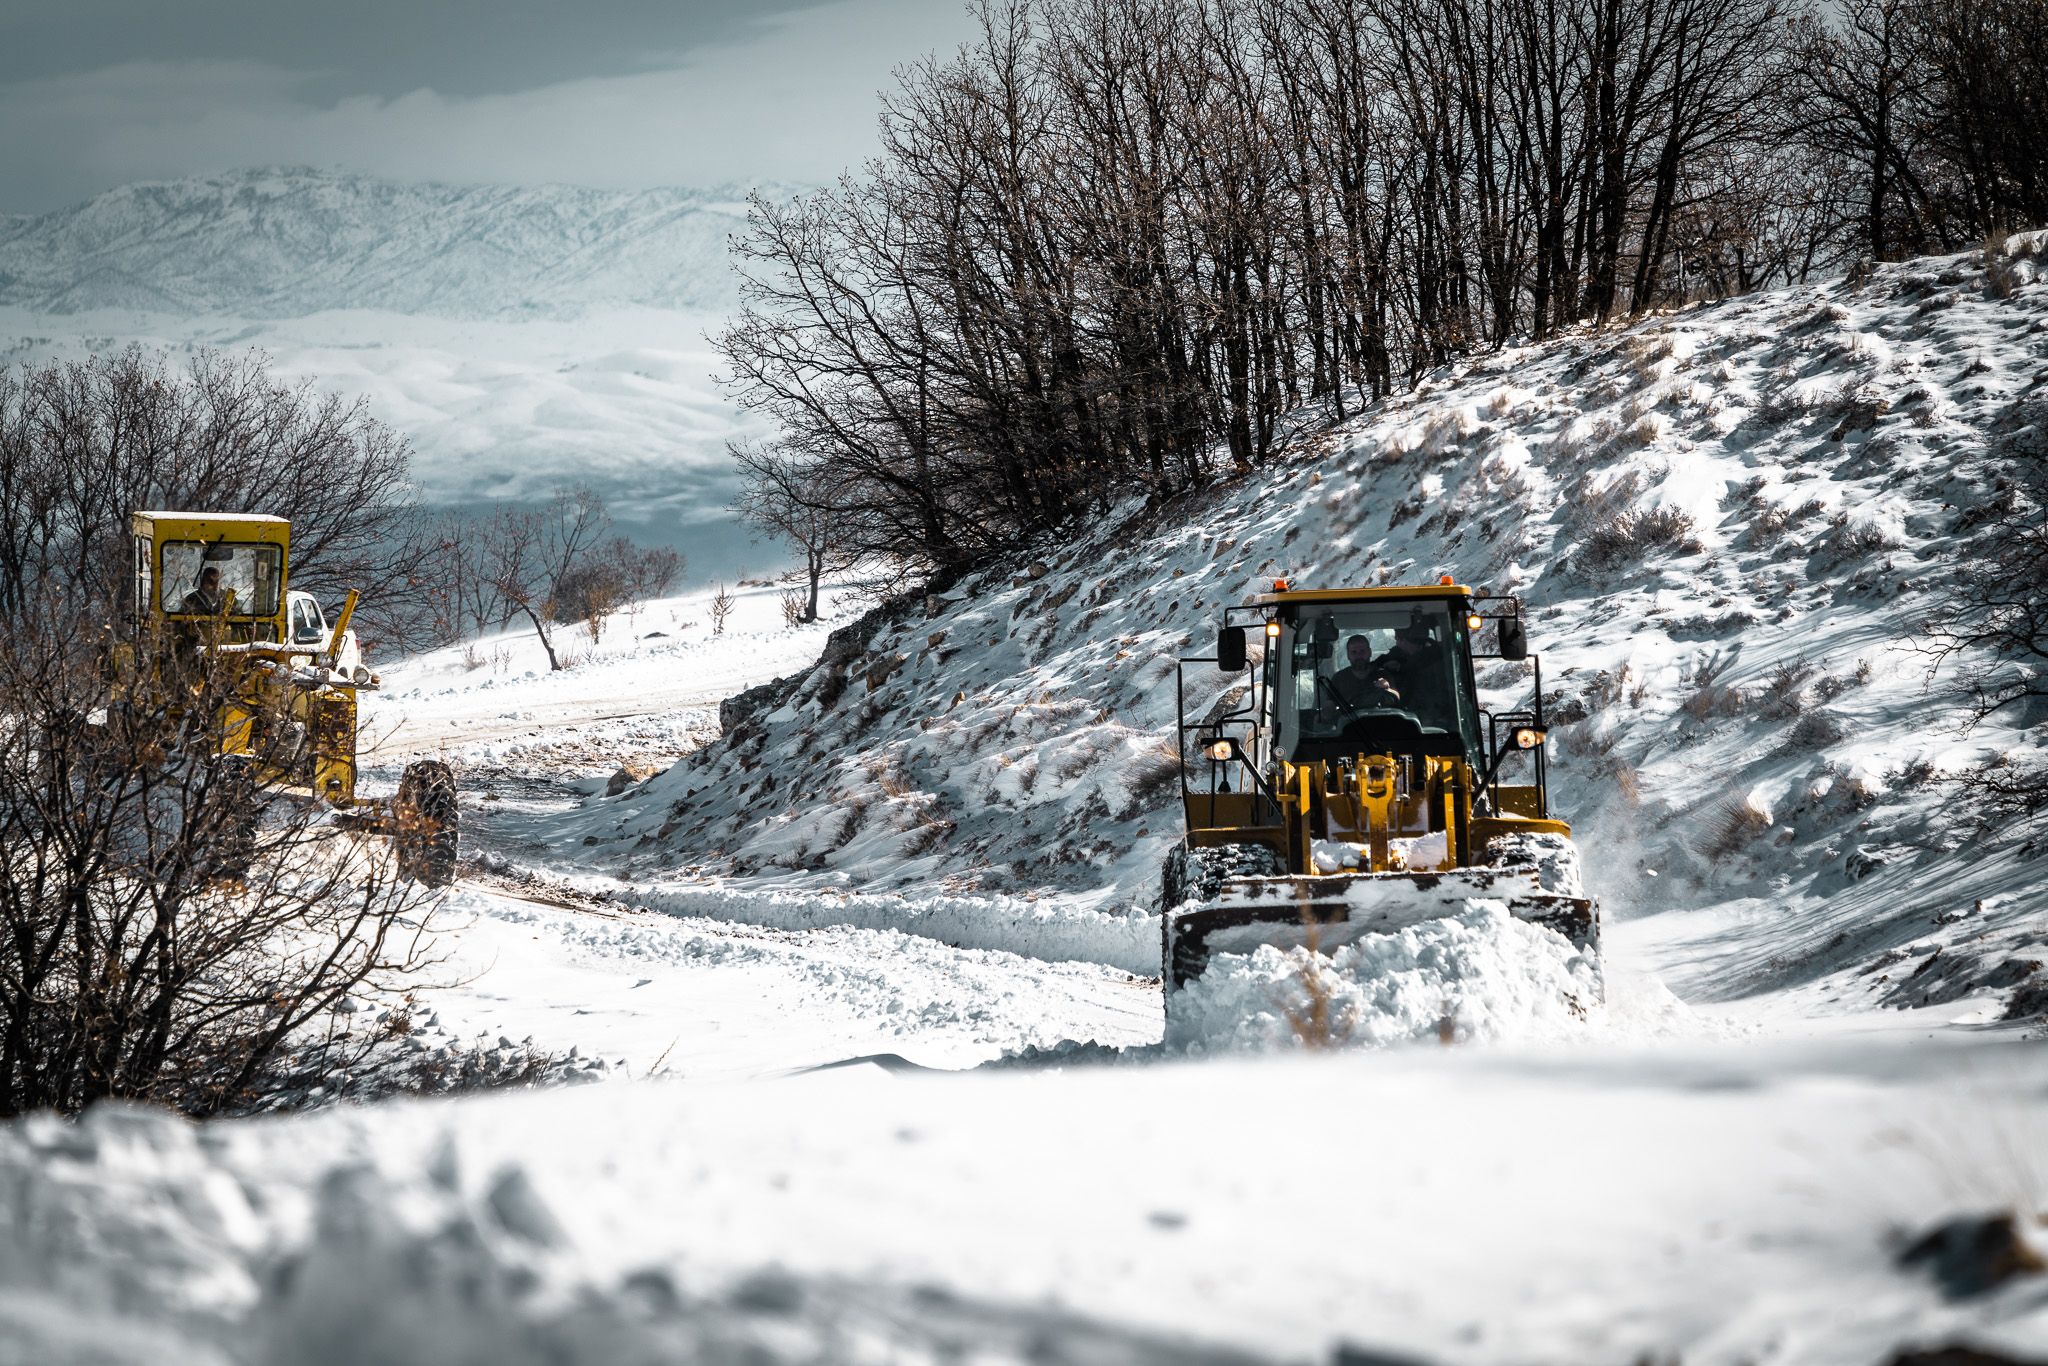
[(281, 704), (1308, 805)]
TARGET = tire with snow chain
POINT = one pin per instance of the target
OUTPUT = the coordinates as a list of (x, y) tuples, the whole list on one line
[(1554, 858), (1193, 877), (426, 824), (1197, 874)]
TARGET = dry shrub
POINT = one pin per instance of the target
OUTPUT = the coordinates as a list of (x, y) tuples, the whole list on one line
[(1313, 1016), (1851, 541), (1632, 535), (1155, 775), (2005, 269), (1730, 828), (1784, 692), (1711, 698), (1815, 730)]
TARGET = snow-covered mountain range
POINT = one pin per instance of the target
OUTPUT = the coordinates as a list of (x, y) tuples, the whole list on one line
[(285, 242), (523, 338)]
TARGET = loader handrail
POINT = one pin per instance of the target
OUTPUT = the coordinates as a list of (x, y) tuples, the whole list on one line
[(1214, 727)]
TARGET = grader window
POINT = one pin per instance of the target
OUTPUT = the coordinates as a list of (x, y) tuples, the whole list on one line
[(252, 573)]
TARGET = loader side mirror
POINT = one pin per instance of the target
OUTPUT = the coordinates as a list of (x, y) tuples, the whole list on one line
[(1230, 651), (1514, 640)]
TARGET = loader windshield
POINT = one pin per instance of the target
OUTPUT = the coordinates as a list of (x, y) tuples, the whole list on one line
[(1375, 677)]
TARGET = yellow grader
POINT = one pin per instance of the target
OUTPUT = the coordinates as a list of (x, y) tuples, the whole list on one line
[(222, 657), (1350, 783)]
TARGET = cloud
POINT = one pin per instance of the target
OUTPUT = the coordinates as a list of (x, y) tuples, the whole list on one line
[(797, 101)]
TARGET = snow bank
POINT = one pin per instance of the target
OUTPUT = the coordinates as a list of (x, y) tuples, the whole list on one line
[(1055, 929), (1441, 1205), (1480, 975)]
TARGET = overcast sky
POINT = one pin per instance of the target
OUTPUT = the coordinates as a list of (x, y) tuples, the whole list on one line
[(608, 93)]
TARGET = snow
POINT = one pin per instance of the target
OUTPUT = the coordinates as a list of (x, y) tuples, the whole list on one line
[(867, 977), (1456, 1205), (1481, 975)]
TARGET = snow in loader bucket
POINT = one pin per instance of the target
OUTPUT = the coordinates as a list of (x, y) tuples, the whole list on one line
[(1333, 910)]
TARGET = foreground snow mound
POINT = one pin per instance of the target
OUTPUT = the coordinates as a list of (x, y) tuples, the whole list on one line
[(1482, 975)]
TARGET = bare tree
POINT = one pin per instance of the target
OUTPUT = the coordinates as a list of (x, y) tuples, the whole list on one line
[(1128, 246), (169, 929), (610, 576), (1860, 94), (721, 608), (83, 444), (529, 554), (787, 498)]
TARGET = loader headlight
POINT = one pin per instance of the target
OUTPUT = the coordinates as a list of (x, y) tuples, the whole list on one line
[(1219, 752), (1474, 621), (1272, 630), (1527, 737)]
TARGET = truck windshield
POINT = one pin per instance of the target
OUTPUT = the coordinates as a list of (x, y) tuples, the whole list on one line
[(1375, 677)]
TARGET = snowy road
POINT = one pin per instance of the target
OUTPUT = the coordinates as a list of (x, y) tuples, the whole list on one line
[(689, 978)]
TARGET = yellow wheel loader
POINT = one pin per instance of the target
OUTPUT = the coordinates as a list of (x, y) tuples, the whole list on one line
[(1349, 782), (222, 662)]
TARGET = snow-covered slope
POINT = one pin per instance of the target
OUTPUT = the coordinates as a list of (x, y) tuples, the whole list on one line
[(283, 242), (1727, 524)]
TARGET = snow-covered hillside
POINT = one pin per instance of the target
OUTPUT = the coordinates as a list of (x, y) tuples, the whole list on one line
[(1726, 524), (284, 242)]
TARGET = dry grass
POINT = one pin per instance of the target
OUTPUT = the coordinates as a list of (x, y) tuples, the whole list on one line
[(1784, 692), (1633, 535), (1314, 1017), (1731, 827), (1711, 698)]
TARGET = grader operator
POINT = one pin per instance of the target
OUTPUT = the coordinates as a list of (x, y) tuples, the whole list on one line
[(1350, 782), (222, 661)]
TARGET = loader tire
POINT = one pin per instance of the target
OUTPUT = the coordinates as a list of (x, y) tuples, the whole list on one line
[(1554, 858), (425, 823), (1192, 879), (1197, 874)]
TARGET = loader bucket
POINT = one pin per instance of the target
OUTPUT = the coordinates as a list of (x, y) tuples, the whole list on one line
[(1338, 909)]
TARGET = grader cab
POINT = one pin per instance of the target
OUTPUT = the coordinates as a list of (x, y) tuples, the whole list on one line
[(234, 667), (1350, 781)]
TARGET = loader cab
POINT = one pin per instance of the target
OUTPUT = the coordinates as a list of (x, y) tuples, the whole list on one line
[(1386, 676), (1354, 715)]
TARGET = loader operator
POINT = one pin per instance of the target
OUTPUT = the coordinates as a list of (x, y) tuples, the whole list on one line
[(1414, 668), (1362, 684)]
